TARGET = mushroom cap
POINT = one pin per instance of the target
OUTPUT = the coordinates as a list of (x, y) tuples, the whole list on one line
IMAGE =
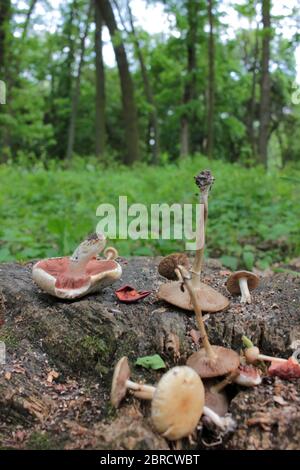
[(216, 401), (227, 361), (50, 276), (233, 281), (168, 264), (120, 377), (209, 299), (111, 252), (249, 376), (177, 403)]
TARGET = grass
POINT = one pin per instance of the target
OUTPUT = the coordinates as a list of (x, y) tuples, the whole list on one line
[(253, 217)]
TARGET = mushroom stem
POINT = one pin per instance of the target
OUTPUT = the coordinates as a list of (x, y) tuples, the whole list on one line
[(198, 313), (223, 423), (253, 354), (245, 297), (199, 255), (226, 381), (178, 274), (142, 391)]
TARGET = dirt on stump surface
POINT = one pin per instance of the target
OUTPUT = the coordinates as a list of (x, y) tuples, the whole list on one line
[(60, 355)]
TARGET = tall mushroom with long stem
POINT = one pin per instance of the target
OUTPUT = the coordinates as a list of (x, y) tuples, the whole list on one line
[(209, 299), (209, 361)]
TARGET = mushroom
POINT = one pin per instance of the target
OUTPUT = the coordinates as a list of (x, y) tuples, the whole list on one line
[(210, 361), (242, 282), (121, 383), (248, 376), (210, 300), (253, 355), (168, 267), (177, 400), (75, 276), (111, 253)]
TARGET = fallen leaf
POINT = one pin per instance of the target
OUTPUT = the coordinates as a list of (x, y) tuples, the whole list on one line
[(7, 375), (128, 294), (151, 362)]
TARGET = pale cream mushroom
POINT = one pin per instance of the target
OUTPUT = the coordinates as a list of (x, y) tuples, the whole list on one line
[(242, 282)]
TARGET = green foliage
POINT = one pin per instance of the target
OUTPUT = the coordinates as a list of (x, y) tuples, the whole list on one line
[(253, 216)]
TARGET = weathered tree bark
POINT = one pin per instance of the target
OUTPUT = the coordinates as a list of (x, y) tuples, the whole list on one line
[(82, 340), (76, 91), (265, 86), (190, 83), (100, 86), (211, 81), (127, 87)]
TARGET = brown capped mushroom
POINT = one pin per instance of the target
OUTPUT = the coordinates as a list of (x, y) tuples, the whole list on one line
[(121, 383), (80, 274), (210, 361), (168, 267), (242, 282)]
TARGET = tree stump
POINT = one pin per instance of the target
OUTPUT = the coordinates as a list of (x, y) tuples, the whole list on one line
[(54, 386)]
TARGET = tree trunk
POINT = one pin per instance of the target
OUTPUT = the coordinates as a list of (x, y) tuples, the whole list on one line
[(190, 84), (127, 87), (5, 75), (252, 107), (153, 129), (28, 17), (75, 97), (265, 85), (100, 86), (211, 82)]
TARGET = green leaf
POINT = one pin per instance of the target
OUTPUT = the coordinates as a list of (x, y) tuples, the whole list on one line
[(151, 362), (247, 342)]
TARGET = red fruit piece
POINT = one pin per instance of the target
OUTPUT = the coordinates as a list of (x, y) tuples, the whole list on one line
[(129, 294)]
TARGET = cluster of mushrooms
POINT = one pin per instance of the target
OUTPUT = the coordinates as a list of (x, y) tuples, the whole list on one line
[(186, 394)]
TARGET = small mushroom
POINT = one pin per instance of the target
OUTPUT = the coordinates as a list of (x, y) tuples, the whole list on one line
[(75, 276), (121, 383), (242, 282), (168, 267), (253, 355), (111, 253), (248, 376), (210, 361), (215, 396)]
